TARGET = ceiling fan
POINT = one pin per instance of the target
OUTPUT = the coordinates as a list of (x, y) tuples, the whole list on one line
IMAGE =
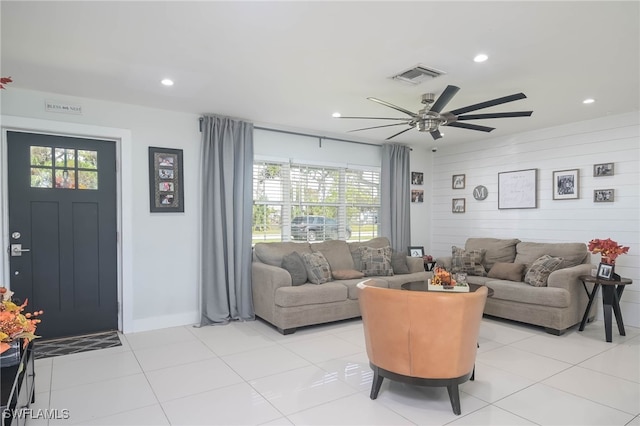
[(430, 118)]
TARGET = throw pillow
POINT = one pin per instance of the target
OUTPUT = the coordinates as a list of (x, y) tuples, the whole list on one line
[(468, 261), (399, 262), (541, 269), (346, 274), (294, 264), (376, 261), (507, 271), (318, 271)]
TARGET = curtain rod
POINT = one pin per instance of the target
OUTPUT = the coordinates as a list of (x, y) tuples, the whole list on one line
[(308, 135)]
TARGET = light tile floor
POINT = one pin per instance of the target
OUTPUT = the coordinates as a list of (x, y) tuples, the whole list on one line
[(249, 374)]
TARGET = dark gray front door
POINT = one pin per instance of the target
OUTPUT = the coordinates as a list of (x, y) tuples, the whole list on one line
[(62, 231)]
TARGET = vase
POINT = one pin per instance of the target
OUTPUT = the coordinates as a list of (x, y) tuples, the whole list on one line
[(11, 356)]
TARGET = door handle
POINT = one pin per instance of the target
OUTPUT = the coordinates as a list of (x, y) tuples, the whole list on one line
[(17, 250)]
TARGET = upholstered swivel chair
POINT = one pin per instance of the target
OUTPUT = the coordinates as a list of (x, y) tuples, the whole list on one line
[(421, 338)]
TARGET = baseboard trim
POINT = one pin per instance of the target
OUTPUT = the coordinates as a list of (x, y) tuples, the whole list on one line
[(165, 321)]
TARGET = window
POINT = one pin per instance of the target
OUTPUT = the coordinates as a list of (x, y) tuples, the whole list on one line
[(63, 168), (296, 202)]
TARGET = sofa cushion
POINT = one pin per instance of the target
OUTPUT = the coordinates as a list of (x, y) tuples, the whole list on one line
[(507, 271), (572, 253), (354, 291), (376, 261), (294, 264), (346, 274), (399, 262), (336, 252), (469, 262), (318, 271), (273, 253), (497, 250), (355, 249), (310, 294), (529, 295), (540, 269)]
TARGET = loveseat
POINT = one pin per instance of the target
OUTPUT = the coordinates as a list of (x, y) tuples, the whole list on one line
[(288, 295), (534, 283)]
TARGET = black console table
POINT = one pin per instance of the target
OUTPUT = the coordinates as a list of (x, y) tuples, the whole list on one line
[(18, 389)]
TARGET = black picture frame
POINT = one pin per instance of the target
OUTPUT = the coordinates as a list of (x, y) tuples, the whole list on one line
[(416, 251), (166, 182), (417, 178), (605, 271)]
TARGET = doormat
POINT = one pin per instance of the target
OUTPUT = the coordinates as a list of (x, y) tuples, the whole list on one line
[(75, 344)]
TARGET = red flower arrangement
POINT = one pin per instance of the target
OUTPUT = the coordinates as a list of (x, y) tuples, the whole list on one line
[(608, 248), (4, 80)]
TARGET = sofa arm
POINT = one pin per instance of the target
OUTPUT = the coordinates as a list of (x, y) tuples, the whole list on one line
[(415, 264), (444, 262), (265, 280), (567, 278)]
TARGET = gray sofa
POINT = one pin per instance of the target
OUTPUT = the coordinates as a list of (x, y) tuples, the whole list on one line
[(555, 302), (288, 306)]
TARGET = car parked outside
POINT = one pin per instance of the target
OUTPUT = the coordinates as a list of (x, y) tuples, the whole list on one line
[(312, 228)]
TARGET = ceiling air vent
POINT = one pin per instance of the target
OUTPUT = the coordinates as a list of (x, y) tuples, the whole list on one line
[(418, 74)]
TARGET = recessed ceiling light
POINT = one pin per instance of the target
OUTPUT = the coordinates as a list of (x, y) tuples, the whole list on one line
[(588, 101), (336, 115), (480, 58), (167, 82)]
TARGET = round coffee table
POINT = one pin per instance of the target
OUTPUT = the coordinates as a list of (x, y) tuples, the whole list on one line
[(422, 286)]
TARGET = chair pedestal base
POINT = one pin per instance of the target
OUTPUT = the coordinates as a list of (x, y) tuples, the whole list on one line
[(379, 374)]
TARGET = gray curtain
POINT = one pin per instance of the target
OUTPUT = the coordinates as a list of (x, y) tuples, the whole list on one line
[(227, 185), (395, 193)]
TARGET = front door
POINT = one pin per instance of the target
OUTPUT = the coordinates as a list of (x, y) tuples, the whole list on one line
[(62, 231)]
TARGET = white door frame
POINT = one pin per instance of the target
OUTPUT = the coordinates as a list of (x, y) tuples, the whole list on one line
[(122, 138)]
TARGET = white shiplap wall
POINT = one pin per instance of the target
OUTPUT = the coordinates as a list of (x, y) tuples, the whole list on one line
[(579, 146)]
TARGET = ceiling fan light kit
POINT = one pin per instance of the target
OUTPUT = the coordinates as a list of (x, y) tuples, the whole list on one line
[(430, 118)]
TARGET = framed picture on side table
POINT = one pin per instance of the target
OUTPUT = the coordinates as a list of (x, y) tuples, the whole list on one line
[(605, 271), (416, 251)]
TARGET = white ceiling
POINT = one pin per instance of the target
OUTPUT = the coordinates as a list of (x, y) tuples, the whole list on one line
[(292, 64)]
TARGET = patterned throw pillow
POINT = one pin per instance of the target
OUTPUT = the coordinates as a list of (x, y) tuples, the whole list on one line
[(294, 264), (469, 262), (318, 271), (376, 261), (541, 269)]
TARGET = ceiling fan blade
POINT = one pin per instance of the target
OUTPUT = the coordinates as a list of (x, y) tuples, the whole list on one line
[(399, 133), (444, 98), (377, 127), (470, 126), (488, 104), (436, 134), (495, 115), (397, 108), (376, 118)]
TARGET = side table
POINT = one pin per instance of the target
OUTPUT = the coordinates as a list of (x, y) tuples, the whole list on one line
[(611, 294)]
